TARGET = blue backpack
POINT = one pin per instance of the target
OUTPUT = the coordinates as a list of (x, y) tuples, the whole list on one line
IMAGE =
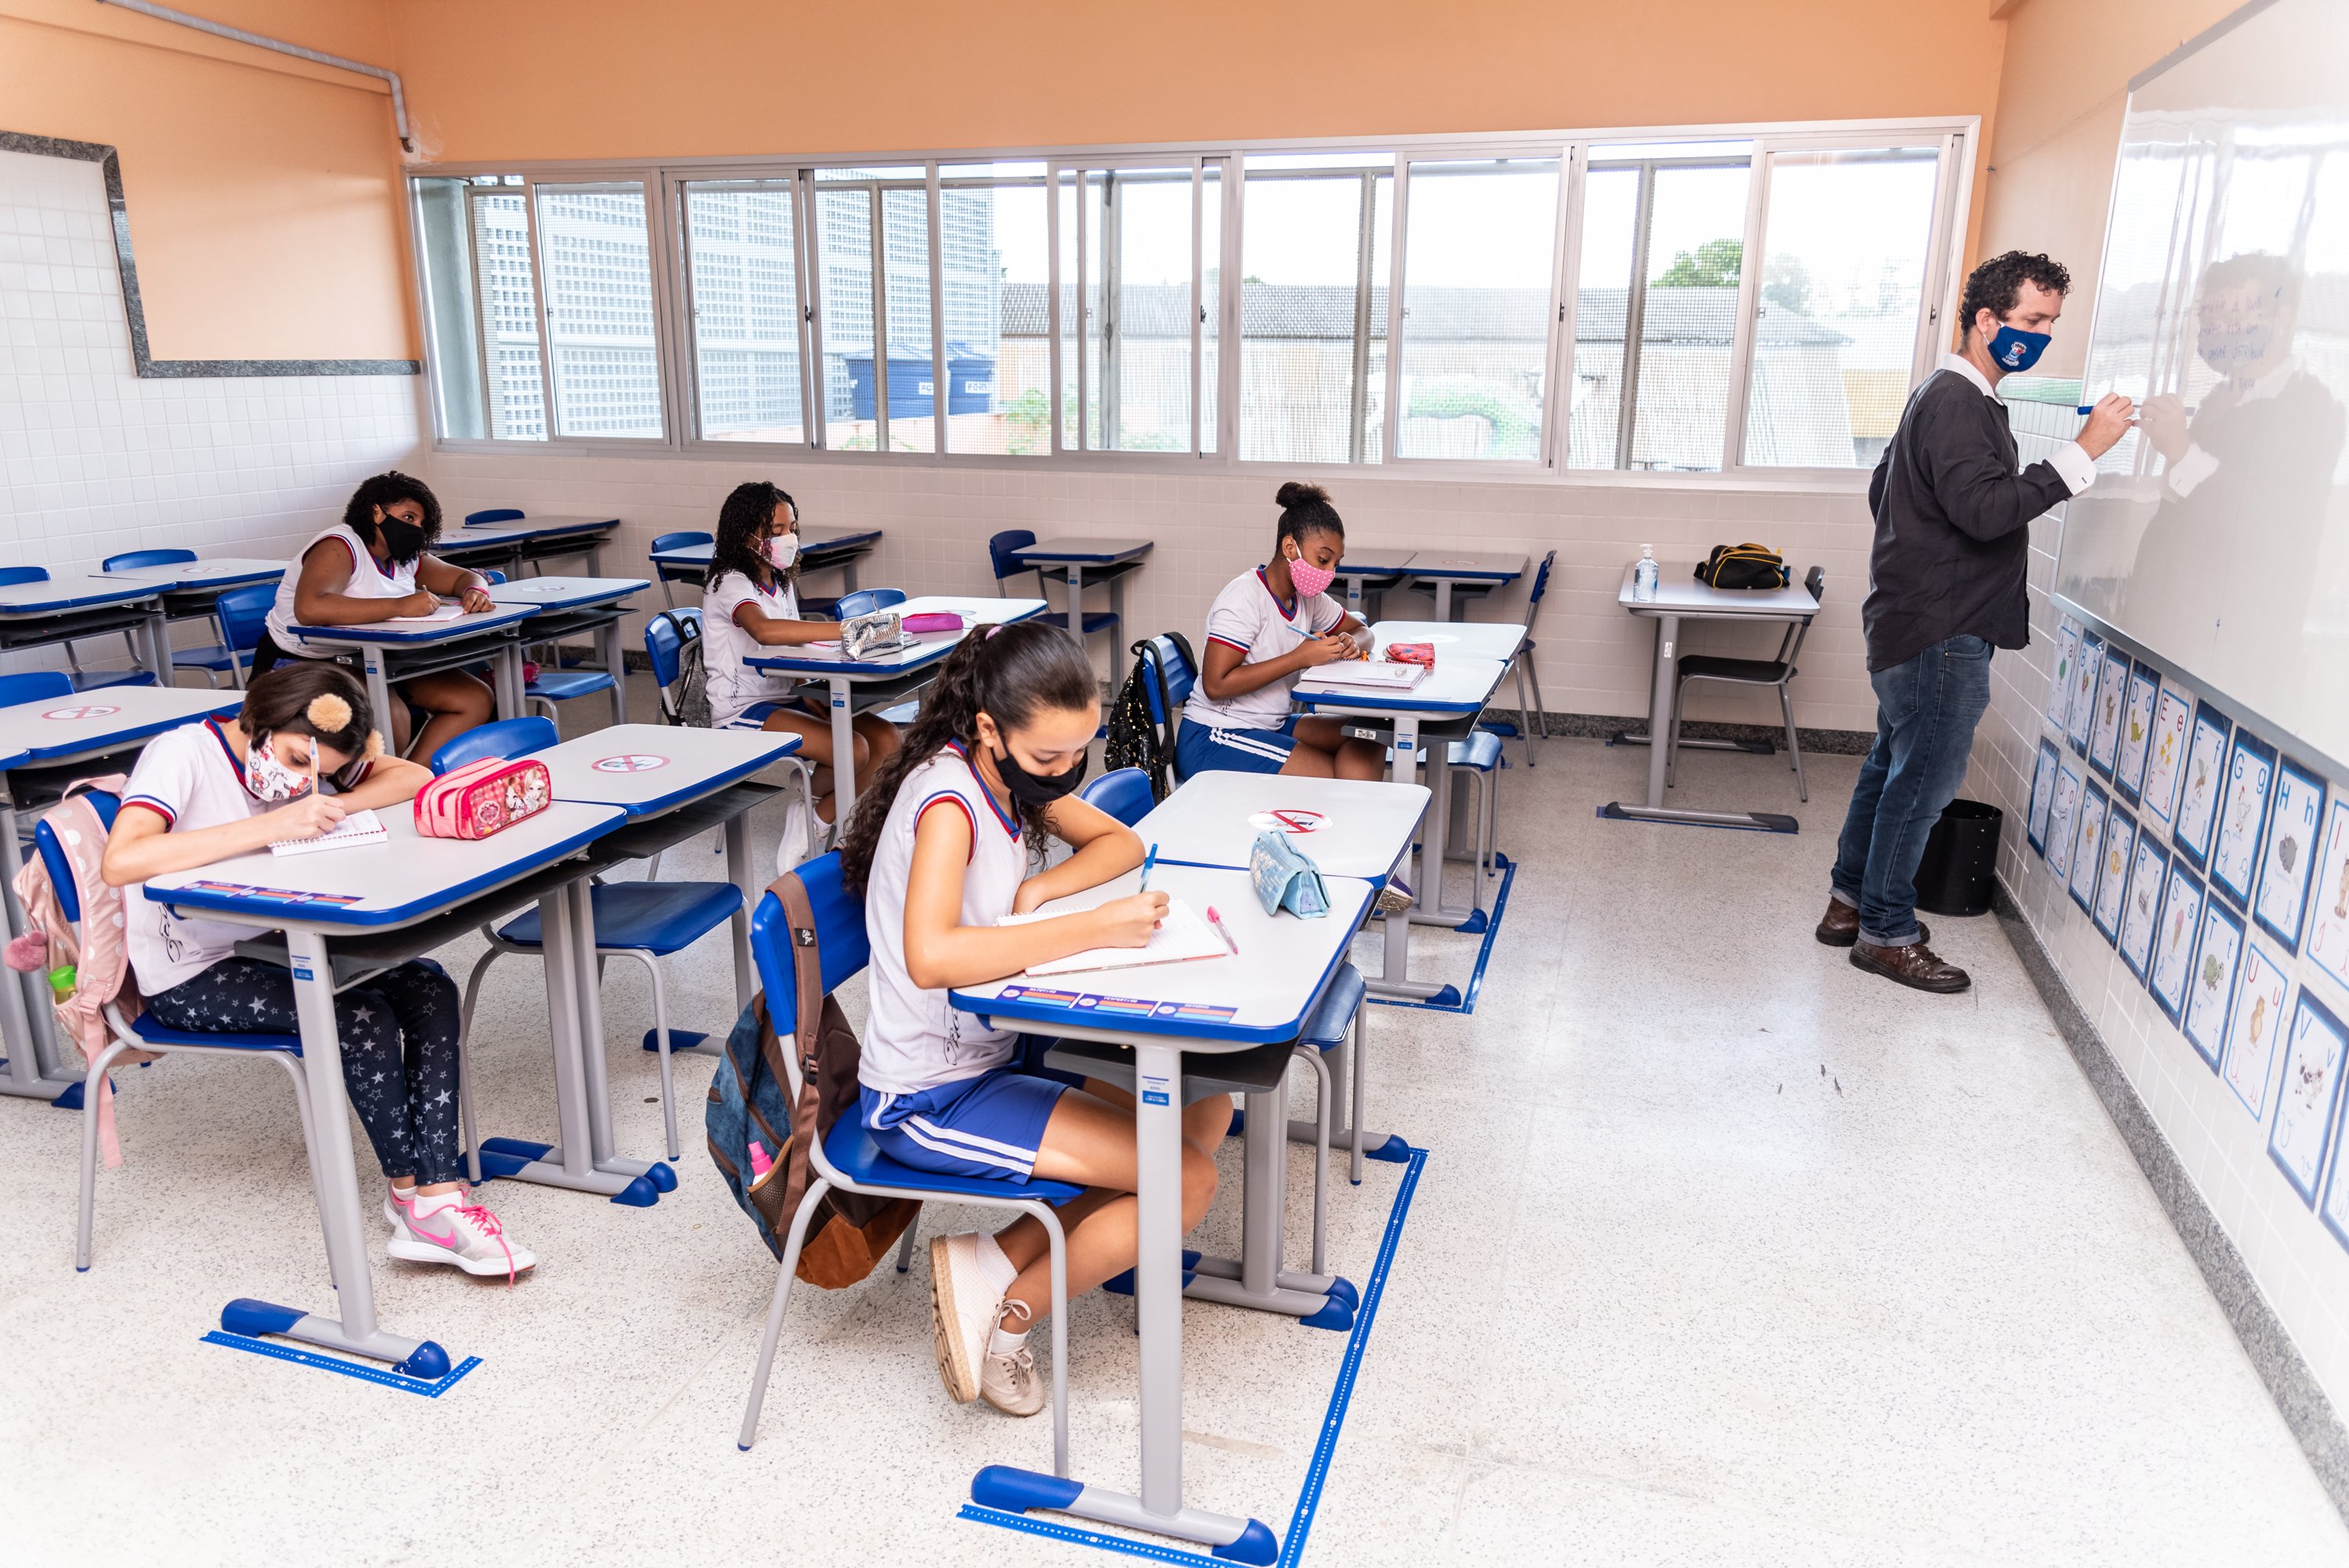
[(752, 1103)]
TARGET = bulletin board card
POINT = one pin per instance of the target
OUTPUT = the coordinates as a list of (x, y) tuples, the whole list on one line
[(2059, 686), (2293, 823), (2218, 954), (2042, 795), (2242, 816), (2063, 817), (2164, 763), (2082, 716), (2254, 1025), (2141, 920), (2308, 1093), (2205, 773), (2112, 879), (2328, 931), (2173, 945), (2112, 696), (2137, 733), (2087, 855)]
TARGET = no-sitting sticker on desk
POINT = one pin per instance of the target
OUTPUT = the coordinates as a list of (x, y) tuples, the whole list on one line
[(630, 762), (1287, 819), (84, 710)]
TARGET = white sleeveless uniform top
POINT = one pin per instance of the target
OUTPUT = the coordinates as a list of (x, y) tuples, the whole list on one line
[(732, 685), (370, 580), (912, 1039)]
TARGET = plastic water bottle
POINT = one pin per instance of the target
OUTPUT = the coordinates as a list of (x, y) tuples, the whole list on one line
[(1643, 575)]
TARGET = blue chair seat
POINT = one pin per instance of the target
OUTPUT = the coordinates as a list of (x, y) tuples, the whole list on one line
[(210, 656), (1481, 752), (147, 1029), (820, 609), (1094, 621), (859, 1159), (660, 917), (561, 685), (94, 680), (1334, 1014)]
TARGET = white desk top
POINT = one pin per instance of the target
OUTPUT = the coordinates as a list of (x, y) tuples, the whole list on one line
[(1454, 686), (531, 524), (1211, 1003), (1678, 592), (1374, 563), (60, 728), (1348, 828), (1464, 565), (1452, 639), (213, 572), (927, 649), (418, 634), (565, 593), (71, 590), (1083, 548), (647, 769), (406, 878), (813, 541)]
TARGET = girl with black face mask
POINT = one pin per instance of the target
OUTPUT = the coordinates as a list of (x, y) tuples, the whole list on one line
[(375, 565), (944, 843)]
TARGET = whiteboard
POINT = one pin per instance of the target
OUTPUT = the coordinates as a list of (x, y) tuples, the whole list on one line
[(2216, 533)]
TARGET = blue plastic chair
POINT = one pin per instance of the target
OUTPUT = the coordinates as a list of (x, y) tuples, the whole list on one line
[(241, 615), (1160, 657), (494, 514), (34, 685), (147, 1035), (673, 647), (847, 1157), (1124, 794), (1002, 558), (1529, 723), (646, 921), (865, 601), (130, 559), (10, 576), (667, 573), (81, 679), (551, 686)]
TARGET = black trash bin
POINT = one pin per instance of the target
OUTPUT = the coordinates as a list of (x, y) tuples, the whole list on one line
[(1960, 865)]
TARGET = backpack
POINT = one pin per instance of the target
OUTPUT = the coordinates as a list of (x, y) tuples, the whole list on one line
[(1746, 566), (1135, 740), (751, 1099)]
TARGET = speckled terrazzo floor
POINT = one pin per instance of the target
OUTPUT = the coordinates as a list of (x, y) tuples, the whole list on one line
[(1723, 1254)]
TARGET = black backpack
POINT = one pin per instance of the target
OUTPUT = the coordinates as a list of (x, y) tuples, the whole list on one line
[(1136, 739), (1743, 566)]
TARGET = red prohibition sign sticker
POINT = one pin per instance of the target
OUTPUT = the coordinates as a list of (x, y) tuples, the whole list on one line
[(87, 710), (630, 762), (1289, 820)]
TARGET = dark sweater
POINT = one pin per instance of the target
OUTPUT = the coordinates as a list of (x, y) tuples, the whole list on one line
[(1953, 526)]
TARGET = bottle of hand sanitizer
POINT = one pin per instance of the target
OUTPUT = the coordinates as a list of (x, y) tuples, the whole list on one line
[(1643, 575)]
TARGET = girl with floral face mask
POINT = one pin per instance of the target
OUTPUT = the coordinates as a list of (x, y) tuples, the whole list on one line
[(1265, 628)]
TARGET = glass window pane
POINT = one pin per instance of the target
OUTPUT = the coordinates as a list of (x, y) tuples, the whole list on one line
[(1477, 264), (999, 358), (508, 312), (843, 241), (1305, 297), (1843, 279), (913, 370), (599, 312), (744, 272), (1211, 275), (1374, 369), (1688, 317), (1137, 325), (450, 319), (1602, 297)]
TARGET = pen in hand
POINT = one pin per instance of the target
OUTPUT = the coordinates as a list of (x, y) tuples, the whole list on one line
[(1148, 860)]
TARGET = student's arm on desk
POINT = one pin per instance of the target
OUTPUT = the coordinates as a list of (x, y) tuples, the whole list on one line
[(776, 632), (469, 589), (942, 953), (319, 599), (143, 845), (391, 781), (1105, 847), (1224, 678)]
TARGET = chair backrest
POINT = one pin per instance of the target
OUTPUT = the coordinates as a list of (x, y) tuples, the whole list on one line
[(1540, 587), (1124, 794), (34, 685), (839, 935), (494, 514), (52, 853), (133, 557), (666, 635), (864, 601), (243, 611), (490, 574), (12, 576), (679, 540), (1816, 581), (500, 737), (1000, 552), (1179, 675), (1791, 644)]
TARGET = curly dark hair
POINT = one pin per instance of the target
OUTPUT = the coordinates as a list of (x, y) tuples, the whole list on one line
[(387, 489), (742, 522), (1009, 673), (1997, 284), (1305, 508)]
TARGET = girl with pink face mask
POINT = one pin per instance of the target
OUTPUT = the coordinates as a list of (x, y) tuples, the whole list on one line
[(1267, 627)]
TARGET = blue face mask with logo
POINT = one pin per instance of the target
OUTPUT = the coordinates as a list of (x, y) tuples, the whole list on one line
[(2012, 350)]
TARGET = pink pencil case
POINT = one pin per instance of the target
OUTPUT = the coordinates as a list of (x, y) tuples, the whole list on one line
[(932, 621)]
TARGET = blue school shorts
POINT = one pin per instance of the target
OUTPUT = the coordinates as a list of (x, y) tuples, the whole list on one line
[(988, 1126), (1199, 749)]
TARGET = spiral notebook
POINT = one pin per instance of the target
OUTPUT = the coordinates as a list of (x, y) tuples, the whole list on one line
[(362, 827), (1180, 937), (1365, 673)]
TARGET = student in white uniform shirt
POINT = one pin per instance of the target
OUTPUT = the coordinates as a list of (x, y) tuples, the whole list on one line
[(749, 603), (986, 772), (1265, 629), (298, 757), (375, 566)]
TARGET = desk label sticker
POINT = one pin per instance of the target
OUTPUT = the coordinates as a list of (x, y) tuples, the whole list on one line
[(84, 710), (1289, 820), (281, 894), (630, 762)]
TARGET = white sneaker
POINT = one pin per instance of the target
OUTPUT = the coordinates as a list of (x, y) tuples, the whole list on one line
[(963, 1310), (1009, 1380), (446, 1228), (393, 1203), (798, 841)]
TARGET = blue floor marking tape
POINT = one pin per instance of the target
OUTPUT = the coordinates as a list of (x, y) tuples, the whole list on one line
[(363, 1371), (1317, 1473), (1483, 952)]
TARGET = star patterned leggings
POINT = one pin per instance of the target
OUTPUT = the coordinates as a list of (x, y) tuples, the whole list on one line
[(398, 1031)]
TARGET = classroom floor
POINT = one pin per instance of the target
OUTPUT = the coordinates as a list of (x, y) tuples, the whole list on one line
[(1722, 1253)]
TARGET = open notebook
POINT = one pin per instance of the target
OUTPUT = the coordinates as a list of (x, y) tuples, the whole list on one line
[(361, 827), (1182, 937), (449, 610), (1365, 673)]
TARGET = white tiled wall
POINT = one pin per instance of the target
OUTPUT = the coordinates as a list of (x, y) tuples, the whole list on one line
[(94, 460), (2300, 1267)]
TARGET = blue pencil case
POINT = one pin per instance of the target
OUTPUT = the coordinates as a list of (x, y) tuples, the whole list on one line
[(1285, 878)]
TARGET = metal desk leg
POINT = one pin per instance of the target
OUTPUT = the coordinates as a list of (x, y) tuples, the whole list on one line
[(844, 750), (1076, 616), (507, 668), (1660, 725), (378, 686), (159, 644), (1343, 1134), (339, 1215), (596, 556), (616, 664), (1117, 633), (1443, 598), (1257, 1280), (33, 1071), (1394, 978), (848, 574), (1354, 598), (738, 871)]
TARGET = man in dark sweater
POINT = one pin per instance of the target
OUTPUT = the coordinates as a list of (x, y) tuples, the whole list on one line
[(1945, 587)]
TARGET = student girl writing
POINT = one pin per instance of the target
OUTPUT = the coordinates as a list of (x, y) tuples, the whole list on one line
[(749, 603), (374, 566), (943, 846), (1264, 628), (300, 755)]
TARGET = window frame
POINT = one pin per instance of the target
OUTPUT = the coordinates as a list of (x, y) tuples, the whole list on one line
[(663, 184)]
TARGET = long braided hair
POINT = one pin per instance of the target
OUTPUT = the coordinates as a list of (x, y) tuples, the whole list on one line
[(1009, 673), (742, 522)]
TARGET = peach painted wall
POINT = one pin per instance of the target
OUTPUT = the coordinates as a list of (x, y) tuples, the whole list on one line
[(263, 190)]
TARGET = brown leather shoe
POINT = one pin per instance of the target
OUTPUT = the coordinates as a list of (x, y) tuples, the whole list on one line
[(1839, 927), (1913, 965)]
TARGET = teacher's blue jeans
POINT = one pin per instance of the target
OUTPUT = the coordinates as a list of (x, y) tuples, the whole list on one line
[(1925, 710)]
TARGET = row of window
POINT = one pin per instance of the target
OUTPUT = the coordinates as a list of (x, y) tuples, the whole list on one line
[(1690, 306)]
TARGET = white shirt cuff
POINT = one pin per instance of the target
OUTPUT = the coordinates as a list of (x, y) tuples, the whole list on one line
[(2072, 466), (2190, 471)]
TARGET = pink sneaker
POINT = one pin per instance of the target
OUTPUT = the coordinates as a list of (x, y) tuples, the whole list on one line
[(447, 1228)]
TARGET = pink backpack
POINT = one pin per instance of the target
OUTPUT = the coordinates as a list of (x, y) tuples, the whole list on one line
[(482, 797)]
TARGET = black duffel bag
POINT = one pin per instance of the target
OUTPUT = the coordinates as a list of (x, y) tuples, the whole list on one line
[(1743, 566)]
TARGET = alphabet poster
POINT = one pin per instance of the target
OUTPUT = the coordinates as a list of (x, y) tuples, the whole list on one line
[(2307, 1093), (2328, 933), (2206, 769), (2062, 817), (2112, 694), (2141, 918), (2165, 757), (2137, 733), (2042, 793), (2112, 882), (2083, 715), (2242, 812), (2087, 855), (2067, 661), (2214, 984), (2290, 852), (2254, 1025), (2173, 942)]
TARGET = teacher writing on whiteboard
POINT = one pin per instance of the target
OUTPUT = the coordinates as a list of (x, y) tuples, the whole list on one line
[(1945, 587)]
